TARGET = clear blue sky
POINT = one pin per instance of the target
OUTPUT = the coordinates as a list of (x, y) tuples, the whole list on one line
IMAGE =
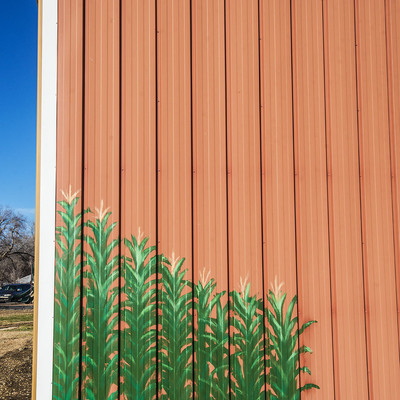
[(18, 66)]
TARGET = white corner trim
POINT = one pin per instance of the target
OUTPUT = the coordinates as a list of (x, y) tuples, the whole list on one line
[(47, 201)]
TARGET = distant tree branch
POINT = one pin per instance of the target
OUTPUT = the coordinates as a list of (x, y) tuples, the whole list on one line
[(16, 244)]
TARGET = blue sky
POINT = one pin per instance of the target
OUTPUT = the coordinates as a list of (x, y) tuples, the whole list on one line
[(18, 66)]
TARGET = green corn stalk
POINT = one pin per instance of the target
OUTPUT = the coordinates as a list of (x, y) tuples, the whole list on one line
[(176, 342), (247, 360), (138, 339), (220, 353), (100, 353), (177, 351), (283, 351), (67, 302), (211, 337)]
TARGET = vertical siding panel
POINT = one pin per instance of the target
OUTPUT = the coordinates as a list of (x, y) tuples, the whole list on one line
[(243, 144), (138, 141), (69, 104), (344, 202), (393, 49), (174, 135), (101, 175), (138, 154), (209, 148), (277, 146), (376, 200), (244, 204), (174, 129), (311, 194), (69, 171)]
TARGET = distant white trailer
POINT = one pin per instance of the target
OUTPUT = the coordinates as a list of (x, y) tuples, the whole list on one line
[(25, 279)]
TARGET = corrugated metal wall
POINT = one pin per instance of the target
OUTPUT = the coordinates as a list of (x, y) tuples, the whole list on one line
[(255, 139)]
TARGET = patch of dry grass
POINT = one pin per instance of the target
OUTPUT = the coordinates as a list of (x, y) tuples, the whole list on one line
[(15, 354), (16, 320)]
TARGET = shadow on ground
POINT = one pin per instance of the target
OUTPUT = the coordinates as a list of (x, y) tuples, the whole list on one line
[(16, 374)]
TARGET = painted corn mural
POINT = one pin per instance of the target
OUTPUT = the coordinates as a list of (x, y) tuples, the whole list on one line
[(195, 358), (205, 147)]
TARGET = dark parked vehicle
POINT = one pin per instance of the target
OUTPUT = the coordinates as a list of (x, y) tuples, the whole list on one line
[(14, 292)]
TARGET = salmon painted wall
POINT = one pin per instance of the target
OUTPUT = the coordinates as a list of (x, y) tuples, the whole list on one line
[(254, 139)]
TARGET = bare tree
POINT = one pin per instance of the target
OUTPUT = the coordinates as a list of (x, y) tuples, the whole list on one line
[(17, 245)]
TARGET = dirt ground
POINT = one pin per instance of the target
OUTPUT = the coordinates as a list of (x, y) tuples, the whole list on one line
[(15, 354)]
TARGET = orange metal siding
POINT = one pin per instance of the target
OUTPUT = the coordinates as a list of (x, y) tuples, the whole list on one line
[(348, 321), (138, 119), (209, 142), (243, 148), (376, 201), (102, 147), (69, 105), (174, 137), (255, 139), (174, 129), (393, 64), (138, 142), (277, 145), (210, 245), (313, 267), (243, 144), (69, 175)]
